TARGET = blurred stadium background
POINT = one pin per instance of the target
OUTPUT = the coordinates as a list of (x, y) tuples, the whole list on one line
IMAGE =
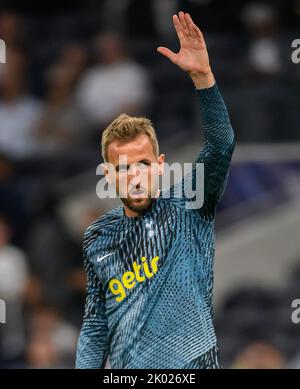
[(68, 73)]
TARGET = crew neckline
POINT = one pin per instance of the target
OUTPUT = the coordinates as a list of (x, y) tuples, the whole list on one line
[(132, 219)]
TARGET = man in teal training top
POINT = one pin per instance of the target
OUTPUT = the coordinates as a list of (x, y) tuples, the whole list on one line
[(149, 262)]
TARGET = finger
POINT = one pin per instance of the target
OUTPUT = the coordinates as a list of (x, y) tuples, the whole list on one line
[(198, 32), (190, 23), (167, 53), (183, 24), (193, 25), (178, 28)]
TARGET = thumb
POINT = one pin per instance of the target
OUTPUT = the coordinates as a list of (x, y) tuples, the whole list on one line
[(167, 53)]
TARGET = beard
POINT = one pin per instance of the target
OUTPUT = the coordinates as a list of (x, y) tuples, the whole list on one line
[(138, 205), (142, 203)]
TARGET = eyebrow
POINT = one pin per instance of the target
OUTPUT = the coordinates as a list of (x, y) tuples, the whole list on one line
[(141, 161)]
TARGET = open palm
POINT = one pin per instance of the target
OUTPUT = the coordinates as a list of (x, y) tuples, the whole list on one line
[(193, 56)]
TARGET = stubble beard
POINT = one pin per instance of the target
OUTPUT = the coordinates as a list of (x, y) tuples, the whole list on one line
[(138, 205)]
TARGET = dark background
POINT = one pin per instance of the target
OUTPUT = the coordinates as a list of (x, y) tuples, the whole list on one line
[(50, 133)]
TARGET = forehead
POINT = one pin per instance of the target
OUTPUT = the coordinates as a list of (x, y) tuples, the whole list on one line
[(135, 149)]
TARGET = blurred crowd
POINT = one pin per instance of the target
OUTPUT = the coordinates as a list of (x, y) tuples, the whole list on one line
[(255, 327), (69, 74)]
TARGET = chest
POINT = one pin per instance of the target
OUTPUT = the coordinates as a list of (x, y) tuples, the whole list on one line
[(130, 256)]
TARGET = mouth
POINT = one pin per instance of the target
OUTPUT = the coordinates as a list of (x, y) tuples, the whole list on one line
[(138, 194)]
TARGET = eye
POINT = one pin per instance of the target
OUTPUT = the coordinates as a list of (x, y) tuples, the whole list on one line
[(143, 164)]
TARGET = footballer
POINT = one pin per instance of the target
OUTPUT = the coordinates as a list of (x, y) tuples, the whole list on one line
[(149, 262)]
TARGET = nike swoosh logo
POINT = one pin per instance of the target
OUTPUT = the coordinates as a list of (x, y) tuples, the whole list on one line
[(99, 259)]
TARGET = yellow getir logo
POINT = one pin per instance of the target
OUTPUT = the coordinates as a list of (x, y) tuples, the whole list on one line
[(129, 279)]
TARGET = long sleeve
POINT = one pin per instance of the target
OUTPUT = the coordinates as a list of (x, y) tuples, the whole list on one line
[(218, 147), (215, 155), (92, 347)]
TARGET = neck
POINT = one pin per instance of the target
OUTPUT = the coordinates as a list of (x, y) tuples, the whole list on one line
[(131, 213)]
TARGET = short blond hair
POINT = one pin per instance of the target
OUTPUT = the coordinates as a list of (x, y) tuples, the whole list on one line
[(126, 128)]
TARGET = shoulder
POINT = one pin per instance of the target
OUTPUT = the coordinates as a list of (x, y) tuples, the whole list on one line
[(106, 221)]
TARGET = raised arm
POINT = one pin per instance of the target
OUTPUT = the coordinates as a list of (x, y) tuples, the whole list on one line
[(219, 137), (92, 347), (218, 147)]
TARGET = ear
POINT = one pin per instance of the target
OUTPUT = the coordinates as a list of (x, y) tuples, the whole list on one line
[(161, 163)]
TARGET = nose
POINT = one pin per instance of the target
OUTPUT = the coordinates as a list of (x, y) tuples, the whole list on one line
[(135, 182)]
